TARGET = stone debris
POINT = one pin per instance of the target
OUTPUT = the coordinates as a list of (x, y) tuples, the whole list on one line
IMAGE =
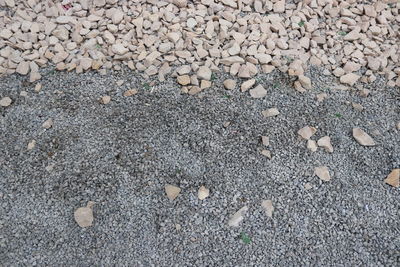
[(321, 97), (353, 40), (31, 144), (84, 215), (268, 207), (357, 106), (306, 132), (172, 191), (323, 173), (265, 140), (312, 145), (48, 123), (258, 92), (203, 192), (266, 153), (229, 84), (38, 87), (5, 101), (393, 178), (105, 99), (325, 142), (271, 112), (236, 218), (247, 85), (130, 92), (362, 137)]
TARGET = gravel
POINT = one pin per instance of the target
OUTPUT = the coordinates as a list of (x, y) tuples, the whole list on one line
[(122, 154)]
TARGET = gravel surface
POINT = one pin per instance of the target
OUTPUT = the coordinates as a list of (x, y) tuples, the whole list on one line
[(121, 155)]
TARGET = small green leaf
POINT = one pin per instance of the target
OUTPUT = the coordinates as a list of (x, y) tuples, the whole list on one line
[(227, 96), (341, 33), (98, 46), (146, 86), (338, 115), (245, 238), (213, 76), (301, 23)]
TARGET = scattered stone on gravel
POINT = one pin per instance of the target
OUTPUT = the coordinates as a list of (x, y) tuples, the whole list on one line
[(130, 92), (323, 173), (364, 92), (393, 178), (203, 192), (31, 144), (247, 85), (120, 82), (321, 97), (357, 106), (312, 145), (268, 207), (229, 84), (105, 99), (5, 101), (266, 153), (271, 112), (306, 132), (308, 186), (172, 191), (84, 215), (38, 87), (23, 93), (325, 142), (236, 218), (265, 140), (398, 126), (258, 92), (362, 137), (48, 123)]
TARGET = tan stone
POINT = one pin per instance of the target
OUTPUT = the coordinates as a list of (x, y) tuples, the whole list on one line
[(306, 132), (393, 178), (362, 137), (229, 84), (323, 173), (183, 79), (172, 191)]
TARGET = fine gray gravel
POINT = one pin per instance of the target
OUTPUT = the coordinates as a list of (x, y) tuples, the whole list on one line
[(122, 154)]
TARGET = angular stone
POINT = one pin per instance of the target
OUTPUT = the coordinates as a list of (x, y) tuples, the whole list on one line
[(349, 79), (204, 73), (306, 132), (268, 207), (271, 112), (203, 192), (172, 191), (247, 85), (305, 82), (312, 145), (393, 178), (183, 79), (258, 92), (362, 137), (325, 142), (5, 101), (323, 173), (236, 218)]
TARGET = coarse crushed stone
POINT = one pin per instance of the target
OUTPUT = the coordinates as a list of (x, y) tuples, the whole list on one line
[(121, 155)]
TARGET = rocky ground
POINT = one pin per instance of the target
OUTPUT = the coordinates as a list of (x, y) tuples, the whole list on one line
[(64, 144)]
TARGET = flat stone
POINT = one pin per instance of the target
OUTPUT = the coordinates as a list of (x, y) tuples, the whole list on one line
[(229, 84), (5, 101), (247, 85), (183, 79), (204, 73), (349, 79), (323, 173), (306, 132), (362, 137), (325, 142), (172, 191), (271, 112), (393, 178), (258, 92), (236, 218)]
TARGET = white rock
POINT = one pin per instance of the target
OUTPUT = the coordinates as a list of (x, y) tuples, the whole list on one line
[(305, 82), (266, 153), (5, 33), (231, 3), (323, 173), (247, 85), (312, 145), (306, 132), (48, 123), (268, 207), (236, 218), (271, 112), (172, 191), (180, 3), (362, 137), (393, 178), (23, 68), (203, 192), (118, 16), (265, 140), (258, 92), (325, 142), (105, 99), (234, 49), (204, 73), (31, 144), (119, 49), (229, 84), (5, 101), (349, 79), (84, 215)]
